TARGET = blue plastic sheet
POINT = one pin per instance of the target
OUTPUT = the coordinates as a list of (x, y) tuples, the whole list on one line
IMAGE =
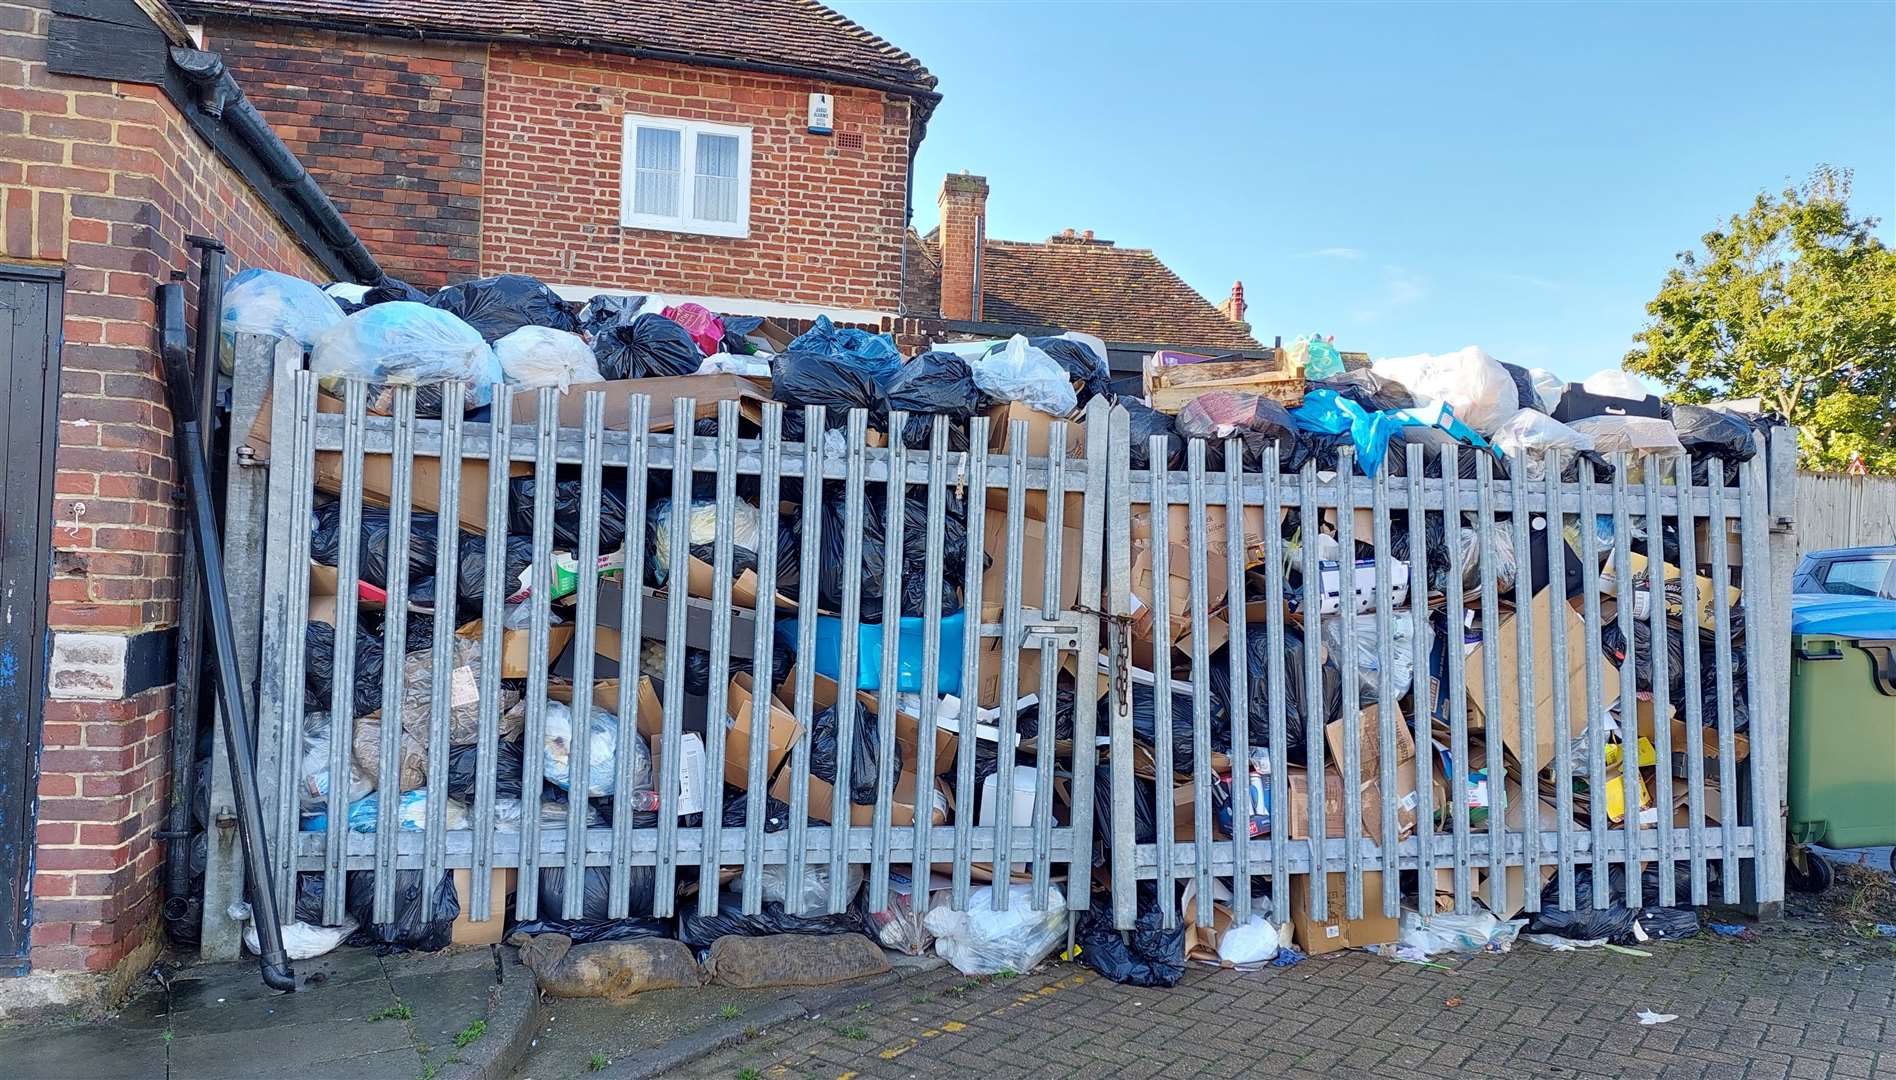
[(1327, 412)]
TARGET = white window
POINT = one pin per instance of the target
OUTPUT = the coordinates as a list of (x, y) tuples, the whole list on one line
[(686, 176)]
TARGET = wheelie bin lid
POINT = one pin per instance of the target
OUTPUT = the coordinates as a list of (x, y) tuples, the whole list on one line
[(1843, 616)]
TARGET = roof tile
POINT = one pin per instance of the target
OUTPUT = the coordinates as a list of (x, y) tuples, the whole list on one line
[(796, 32)]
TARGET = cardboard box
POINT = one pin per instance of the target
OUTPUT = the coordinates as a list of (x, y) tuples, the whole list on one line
[(988, 671), (516, 647), (1369, 743), (1680, 747), (1337, 932), (1504, 638), (1369, 805), (781, 735), (903, 798), (1298, 815), (490, 930), (1033, 562), (705, 390), (1039, 439), (1704, 534)]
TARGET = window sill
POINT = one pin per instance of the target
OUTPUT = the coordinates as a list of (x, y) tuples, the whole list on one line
[(685, 228)]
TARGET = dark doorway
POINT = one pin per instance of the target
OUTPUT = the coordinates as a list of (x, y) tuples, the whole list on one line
[(30, 312)]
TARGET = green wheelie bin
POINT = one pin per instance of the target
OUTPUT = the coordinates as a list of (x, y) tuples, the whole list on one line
[(1842, 764)]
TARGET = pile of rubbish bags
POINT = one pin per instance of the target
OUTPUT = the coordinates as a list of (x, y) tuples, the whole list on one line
[(512, 332)]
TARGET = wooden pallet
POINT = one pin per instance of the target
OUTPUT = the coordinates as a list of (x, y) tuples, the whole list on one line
[(1169, 388)]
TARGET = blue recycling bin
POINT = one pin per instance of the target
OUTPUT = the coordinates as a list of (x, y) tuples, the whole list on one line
[(910, 658)]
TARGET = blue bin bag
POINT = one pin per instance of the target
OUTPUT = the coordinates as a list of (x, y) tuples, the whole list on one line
[(405, 342), (1330, 413), (874, 353), (909, 660)]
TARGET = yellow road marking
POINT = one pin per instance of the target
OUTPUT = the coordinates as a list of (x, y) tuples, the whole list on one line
[(894, 1052)]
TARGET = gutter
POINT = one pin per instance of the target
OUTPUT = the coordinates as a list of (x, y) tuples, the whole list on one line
[(219, 97)]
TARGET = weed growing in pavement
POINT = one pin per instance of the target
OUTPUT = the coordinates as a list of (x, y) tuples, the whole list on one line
[(597, 1062), (397, 1011), (728, 1012), (469, 1033), (853, 1031)]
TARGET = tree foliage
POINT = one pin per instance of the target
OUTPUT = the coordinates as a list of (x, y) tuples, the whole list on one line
[(1792, 302)]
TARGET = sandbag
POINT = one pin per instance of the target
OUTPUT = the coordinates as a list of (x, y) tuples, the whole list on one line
[(613, 969), (647, 347), (536, 356), (497, 306), (792, 960)]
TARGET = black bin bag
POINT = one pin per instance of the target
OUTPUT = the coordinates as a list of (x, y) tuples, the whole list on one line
[(319, 669), (522, 492), (699, 931), (1086, 368), (595, 900), (497, 306), (935, 384), (325, 542), (423, 917), (1257, 692), (1713, 435), (649, 346), (1147, 955), (799, 378), (1142, 424), (1615, 922), (863, 755)]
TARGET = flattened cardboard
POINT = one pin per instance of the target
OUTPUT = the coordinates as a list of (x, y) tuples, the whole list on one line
[(490, 930), (1369, 743), (1039, 439), (705, 390), (1504, 639), (902, 800), (1337, 932), (1033, 561)]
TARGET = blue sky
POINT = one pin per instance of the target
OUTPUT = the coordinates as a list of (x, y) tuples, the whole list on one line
[(1412, 177)]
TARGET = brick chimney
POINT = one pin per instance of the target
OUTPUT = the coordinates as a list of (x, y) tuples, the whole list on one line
[(963, 205), (1233, 306)]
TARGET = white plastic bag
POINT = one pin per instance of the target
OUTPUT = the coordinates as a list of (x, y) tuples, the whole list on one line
[(1020, 372), (1252, 943), (535, 356), (1632, 434), (813, 895), (259, 301), (1470, 381), (1369, 652), (982, 941), (1528, 435), (1477, 932), (603, 738), (301, 941), (1547, 386), (402, 342), (726, 364), (1613, 382)]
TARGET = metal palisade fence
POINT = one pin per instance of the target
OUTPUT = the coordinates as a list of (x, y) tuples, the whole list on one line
[(1473, 681)]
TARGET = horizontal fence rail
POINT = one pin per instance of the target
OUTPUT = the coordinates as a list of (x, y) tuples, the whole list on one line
[(625, 658)]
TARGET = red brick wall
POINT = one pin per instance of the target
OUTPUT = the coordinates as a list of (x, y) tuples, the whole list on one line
[(391, 130), (104, 180), (826, 224)]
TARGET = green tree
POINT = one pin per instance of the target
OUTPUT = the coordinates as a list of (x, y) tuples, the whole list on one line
[(1792, 302)]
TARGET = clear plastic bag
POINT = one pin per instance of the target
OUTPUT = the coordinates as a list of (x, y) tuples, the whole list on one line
[(724, 363), (1547, 386), (535, 356), (1470, 381), (1369, 652), (813, 893), (314, 793), (1632, 434), (983, 941), (1316, 355), (1473, 933), (1019, 372), (1528, 435), (1613, 382), (259, 301), (411, 813), (702, 530), (604, 742), (402, 342)]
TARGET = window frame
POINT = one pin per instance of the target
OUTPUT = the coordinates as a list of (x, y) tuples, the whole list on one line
[(684, 221)]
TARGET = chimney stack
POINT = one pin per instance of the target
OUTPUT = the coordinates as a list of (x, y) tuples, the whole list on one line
[(963, 204), (1233, 307)]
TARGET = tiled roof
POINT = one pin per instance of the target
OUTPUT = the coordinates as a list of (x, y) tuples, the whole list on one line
[(801, 33), (1119, 294)]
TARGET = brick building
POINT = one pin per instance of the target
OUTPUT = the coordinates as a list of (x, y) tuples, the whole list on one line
[(107, 161), (678, 149)]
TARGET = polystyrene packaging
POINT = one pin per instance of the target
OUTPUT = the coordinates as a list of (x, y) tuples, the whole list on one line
[(1020, 372), (983, 941), (1473, 383), (535, 356), (404, 342)]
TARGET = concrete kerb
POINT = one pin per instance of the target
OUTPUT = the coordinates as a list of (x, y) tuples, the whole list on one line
[(514, 1016), (671, 1058)]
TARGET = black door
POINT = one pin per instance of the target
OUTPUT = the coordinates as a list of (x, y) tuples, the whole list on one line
[(30, 304)]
